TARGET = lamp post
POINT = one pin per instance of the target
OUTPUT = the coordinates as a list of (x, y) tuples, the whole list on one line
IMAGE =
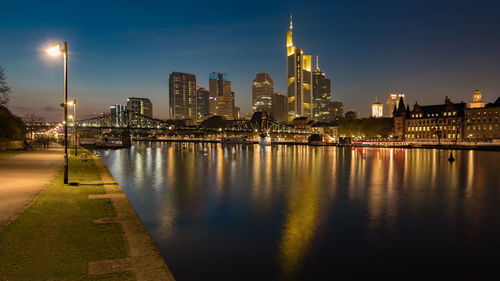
[(54, 51), (75, 138)]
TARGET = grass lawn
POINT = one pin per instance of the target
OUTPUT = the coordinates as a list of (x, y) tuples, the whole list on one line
[(9, 153), (55, 238)]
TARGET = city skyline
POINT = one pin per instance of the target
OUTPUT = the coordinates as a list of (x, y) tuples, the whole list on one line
[(110, 62)]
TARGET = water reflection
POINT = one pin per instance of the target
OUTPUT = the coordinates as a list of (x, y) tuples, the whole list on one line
[(244, 212)]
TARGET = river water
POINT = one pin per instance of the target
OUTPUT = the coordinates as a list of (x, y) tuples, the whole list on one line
[(245, 212)]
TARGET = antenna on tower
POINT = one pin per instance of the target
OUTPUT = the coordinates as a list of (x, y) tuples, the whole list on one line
[(291, 26), (317, 62)]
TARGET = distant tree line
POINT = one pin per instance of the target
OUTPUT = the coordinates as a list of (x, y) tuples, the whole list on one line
[(12, 127), (368, 127)]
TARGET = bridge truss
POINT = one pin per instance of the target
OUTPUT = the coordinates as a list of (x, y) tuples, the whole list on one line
[(129, 120)]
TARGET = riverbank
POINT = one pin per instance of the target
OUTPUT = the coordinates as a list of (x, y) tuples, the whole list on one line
[(59, 236), (358, 144)]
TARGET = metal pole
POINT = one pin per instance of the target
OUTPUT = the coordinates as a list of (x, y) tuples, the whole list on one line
[(65, 112), (74, 125)]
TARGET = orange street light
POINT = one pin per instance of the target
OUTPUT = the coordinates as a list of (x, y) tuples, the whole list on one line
[(55, 51)]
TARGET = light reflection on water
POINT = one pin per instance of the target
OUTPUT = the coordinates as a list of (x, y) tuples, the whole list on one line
[(312, 213)]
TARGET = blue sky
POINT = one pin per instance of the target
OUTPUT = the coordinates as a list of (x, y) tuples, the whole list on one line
[(428, 49)]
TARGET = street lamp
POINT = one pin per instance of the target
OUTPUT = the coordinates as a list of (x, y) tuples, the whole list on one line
[(55, 51), (73, 103)]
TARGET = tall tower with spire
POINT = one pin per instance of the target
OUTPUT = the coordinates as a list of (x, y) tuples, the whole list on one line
[(299, 79), (476, 100)]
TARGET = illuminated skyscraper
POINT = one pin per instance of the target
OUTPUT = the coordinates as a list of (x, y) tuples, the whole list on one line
[(182, 95), (321, 95), (377, 110), (476, 100), (393, 101), (220, 100), (142, 106), (202, 98), (262, 91), (116, 109), (299, 80)]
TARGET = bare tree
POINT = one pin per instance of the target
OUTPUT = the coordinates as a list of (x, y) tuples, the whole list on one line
[(4, 89)]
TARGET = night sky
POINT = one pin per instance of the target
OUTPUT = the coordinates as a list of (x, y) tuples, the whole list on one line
[(428, 49)]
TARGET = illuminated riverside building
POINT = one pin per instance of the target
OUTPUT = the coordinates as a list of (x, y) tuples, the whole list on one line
[(321, 95), (262, 92), (141, 106), (482, 123), (476, 100), (202, 100), (221, 99), (393, 101), (182, 95), (299, 80), (431, 122), (377, 110)]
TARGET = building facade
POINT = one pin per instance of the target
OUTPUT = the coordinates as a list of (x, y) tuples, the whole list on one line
[(435, 122), (221, 99), (262, 92), (393, 101), (482, 123), (182, 96), (115, 110), (299, 80), (377, 110), (336, 110), (141, 106), (279, 108), (202, 101), (321, 95), (476, 100), (236, 113)]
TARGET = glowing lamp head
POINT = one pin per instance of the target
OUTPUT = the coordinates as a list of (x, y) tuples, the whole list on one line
[(55, 51)]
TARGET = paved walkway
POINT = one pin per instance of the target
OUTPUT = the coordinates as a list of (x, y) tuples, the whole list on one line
[(23, 176)]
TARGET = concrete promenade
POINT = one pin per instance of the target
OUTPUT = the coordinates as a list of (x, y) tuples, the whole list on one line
[(23, 176)]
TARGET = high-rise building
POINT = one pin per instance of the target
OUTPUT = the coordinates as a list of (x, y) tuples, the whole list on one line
[(336, 110), (321, 95), (115, 110), (237, 113), (299, 79), (220, 100), (141, 106), (393, 101), (202, 101), (279, 108), (262, 91), (182, 95), (377, 110), (476, 100)]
